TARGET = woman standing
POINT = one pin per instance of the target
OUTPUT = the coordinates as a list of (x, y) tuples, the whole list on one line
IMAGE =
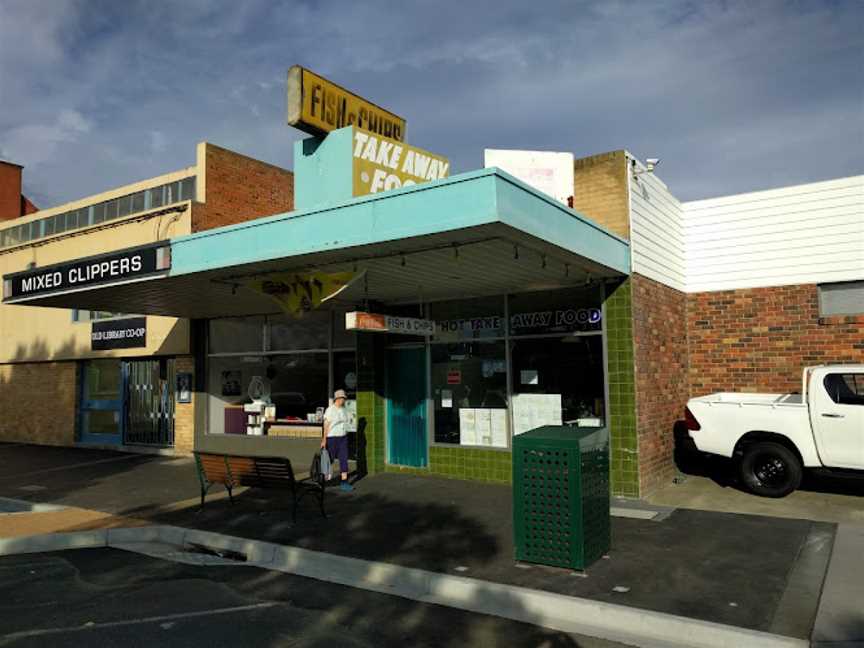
[(335, 435)]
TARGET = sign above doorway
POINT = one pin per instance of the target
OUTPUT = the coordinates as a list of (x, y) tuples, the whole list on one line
[(374, 322)]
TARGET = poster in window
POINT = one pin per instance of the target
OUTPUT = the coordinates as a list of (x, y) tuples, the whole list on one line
[(184, 387), (231, 383)]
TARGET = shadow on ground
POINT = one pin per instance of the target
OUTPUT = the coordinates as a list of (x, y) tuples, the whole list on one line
[(719, 567), (126, 598)]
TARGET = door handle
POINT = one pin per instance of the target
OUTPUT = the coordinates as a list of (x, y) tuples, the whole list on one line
[(834, 415)]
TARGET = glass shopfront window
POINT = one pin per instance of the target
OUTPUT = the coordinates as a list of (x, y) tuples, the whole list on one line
[(557, 380), (468, 319), (290, 361), (312, 331), (553, 373), (237, 335), (555, 311), (299, 383), (469, 390)]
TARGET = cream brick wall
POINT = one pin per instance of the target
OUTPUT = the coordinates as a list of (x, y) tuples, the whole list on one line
[(184, 413), (37, 402), (600, 190)]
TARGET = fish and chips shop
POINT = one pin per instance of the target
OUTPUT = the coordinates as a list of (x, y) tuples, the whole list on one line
[(456, 311)]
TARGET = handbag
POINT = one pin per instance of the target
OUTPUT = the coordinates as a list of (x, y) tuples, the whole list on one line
[(325, 464)]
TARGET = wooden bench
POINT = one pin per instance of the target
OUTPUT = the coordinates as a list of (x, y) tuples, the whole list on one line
[(255, 472)]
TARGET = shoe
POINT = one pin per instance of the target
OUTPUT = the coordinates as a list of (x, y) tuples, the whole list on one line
[(345, 486)]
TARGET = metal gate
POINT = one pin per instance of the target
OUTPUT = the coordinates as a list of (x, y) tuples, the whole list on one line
[(150, 402)]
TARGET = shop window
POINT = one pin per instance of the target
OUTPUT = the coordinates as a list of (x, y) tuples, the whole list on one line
[(312, 331), (845, 298), (468, 319), (228, 384), (469, 390), (342, 338), (345, 372), (555, 311), (237, 335), (557, 380), (299, 384)]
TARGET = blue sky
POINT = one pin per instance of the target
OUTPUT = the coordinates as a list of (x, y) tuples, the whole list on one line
[(731, 96)]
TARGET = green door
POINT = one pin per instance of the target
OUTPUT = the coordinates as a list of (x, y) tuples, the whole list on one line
[(406, 407)]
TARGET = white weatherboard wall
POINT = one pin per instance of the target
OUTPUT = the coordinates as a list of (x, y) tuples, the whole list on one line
[(804, 234), (657, 241)]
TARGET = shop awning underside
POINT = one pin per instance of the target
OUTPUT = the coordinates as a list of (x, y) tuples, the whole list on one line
[(477, 234)]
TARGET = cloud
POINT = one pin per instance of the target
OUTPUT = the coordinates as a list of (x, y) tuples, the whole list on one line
[(733, 96), (33, 144)]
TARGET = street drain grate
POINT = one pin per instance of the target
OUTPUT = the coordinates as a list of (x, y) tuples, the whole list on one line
[(224, 554)]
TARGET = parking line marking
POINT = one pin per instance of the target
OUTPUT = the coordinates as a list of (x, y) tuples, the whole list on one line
[(117, 624)]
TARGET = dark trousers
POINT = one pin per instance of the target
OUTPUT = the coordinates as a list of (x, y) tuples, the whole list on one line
[(338, 447)]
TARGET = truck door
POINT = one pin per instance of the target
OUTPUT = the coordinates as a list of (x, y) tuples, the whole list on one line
[(837, 416)]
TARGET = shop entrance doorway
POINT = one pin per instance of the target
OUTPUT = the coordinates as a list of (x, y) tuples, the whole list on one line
[(127, 402), (406, 407)]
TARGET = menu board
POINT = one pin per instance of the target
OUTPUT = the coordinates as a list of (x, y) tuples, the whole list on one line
[(535, 410), (483, 427)]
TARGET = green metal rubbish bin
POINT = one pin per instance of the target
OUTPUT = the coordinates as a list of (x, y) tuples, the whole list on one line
[(561, 495)]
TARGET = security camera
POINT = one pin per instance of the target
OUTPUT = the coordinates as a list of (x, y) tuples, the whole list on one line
[(650, 163)]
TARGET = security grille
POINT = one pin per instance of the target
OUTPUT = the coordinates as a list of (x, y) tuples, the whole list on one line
[(150, 402)]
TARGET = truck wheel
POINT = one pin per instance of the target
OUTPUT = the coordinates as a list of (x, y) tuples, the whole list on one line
[(770, 469)]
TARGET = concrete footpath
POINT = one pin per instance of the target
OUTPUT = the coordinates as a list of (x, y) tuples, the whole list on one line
[(840, 620), (752, 573)]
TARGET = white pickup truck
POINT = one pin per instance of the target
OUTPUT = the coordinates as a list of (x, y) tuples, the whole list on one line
[(775, 437)]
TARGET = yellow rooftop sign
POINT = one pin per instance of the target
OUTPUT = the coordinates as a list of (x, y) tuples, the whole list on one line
[(318, 106)]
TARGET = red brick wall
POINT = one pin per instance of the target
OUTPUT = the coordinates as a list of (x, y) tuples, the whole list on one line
[(10, 191), (759, 339), (660, 359), (240, 188)]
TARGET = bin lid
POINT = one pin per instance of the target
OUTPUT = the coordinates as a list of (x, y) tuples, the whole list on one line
[(565, 435)]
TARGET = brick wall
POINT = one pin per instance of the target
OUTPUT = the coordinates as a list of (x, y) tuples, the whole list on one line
[(660, 337), (600, 191), (240, 188), (759, 339), (184, 413), (37, 402), (10, 191)]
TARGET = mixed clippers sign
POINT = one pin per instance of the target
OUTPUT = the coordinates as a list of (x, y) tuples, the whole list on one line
[(318, 106), (92, 271), (382, 164)]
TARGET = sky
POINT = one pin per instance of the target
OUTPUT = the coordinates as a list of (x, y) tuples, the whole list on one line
[(731, 96)]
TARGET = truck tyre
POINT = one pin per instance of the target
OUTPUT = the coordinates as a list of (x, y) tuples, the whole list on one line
[(770, 469)]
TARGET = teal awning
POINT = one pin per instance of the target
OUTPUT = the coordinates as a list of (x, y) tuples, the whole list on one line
[(473, 234)]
